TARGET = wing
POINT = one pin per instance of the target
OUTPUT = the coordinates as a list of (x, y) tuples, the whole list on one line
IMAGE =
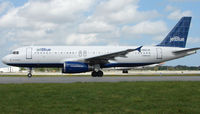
[(102, 59)]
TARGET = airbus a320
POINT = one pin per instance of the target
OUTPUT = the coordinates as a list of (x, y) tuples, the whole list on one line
[(78, 59)]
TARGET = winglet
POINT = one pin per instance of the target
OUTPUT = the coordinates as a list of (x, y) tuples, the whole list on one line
[(139, 48)]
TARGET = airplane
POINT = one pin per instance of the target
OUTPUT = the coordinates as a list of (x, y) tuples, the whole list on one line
[(78, 59)]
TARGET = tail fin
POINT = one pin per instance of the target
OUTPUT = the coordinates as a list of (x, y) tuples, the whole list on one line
[(178, 35)]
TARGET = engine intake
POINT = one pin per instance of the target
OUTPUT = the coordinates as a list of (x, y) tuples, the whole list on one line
[(75, 67)]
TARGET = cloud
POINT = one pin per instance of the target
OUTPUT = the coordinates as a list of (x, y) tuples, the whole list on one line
[(82, 39), (74, 21), (176, 14), (70, 22), (53, 11), (5, 6), (95, 27), (42, 21), (159, 38), (170, 8), (194, 40), (146, 27), (56, 11), (121, 12), (183, 0)]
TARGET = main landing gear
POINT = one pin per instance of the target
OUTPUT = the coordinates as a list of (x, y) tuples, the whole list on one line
[(29, 73), (97, 72), (125, 71)]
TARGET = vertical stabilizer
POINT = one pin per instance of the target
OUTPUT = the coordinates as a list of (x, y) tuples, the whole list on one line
[(178, 35)]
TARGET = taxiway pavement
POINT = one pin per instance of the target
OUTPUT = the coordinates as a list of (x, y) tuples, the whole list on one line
[(21, 80)]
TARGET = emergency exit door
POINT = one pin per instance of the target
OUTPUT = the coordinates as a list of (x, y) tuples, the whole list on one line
[(159, 53), (29, 53)]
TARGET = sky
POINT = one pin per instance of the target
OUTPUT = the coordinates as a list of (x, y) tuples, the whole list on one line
[(96, 22)]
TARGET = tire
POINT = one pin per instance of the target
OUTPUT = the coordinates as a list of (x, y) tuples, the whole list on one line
[(94, 74), (125, 71), (100, 74), (29, 75)]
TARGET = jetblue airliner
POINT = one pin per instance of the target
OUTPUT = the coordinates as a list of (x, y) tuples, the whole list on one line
[(78, 59)]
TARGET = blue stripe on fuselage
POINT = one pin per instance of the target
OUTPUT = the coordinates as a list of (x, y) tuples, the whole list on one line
[(60, 65)]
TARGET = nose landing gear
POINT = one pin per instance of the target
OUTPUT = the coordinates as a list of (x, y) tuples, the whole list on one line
[(29, 75)]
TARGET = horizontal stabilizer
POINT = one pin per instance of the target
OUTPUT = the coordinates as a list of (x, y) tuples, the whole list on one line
[(186, 50)]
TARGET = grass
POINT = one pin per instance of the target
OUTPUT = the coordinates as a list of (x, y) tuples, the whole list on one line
[(122, 97)]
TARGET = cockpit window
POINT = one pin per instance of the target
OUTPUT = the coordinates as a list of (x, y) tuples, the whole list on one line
[(15, 52)]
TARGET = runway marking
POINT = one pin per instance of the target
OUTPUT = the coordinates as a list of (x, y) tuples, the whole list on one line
[(21, 80)]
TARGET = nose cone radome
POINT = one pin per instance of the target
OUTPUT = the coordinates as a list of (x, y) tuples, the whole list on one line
[(5, 60)]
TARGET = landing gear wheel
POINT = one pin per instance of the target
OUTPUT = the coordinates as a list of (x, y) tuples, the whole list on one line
[(29, 75), (94, 74), (97, 74), (125, 71), (29, 72), (100, 74)]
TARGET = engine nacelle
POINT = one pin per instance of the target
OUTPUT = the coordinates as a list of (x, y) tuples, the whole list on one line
[(75, 67)]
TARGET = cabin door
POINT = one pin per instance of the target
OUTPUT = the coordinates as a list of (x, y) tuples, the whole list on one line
[(28, 53), (159, 53)]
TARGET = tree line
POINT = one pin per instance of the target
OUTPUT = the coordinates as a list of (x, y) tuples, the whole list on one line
[(178, 67), (156, 68)]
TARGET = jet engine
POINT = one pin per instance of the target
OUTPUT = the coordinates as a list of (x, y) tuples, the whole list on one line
[(75, 67)]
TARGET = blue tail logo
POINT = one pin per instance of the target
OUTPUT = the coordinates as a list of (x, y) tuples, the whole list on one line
[(178, 35), (177, 39)]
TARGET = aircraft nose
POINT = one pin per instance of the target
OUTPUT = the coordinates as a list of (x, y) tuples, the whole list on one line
[(5, 60)]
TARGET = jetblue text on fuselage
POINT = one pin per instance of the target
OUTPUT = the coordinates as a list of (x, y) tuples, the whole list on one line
[(43, 49), (176, 38)]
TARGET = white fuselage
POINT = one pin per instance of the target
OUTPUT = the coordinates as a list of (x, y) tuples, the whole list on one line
[(55, 56)]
